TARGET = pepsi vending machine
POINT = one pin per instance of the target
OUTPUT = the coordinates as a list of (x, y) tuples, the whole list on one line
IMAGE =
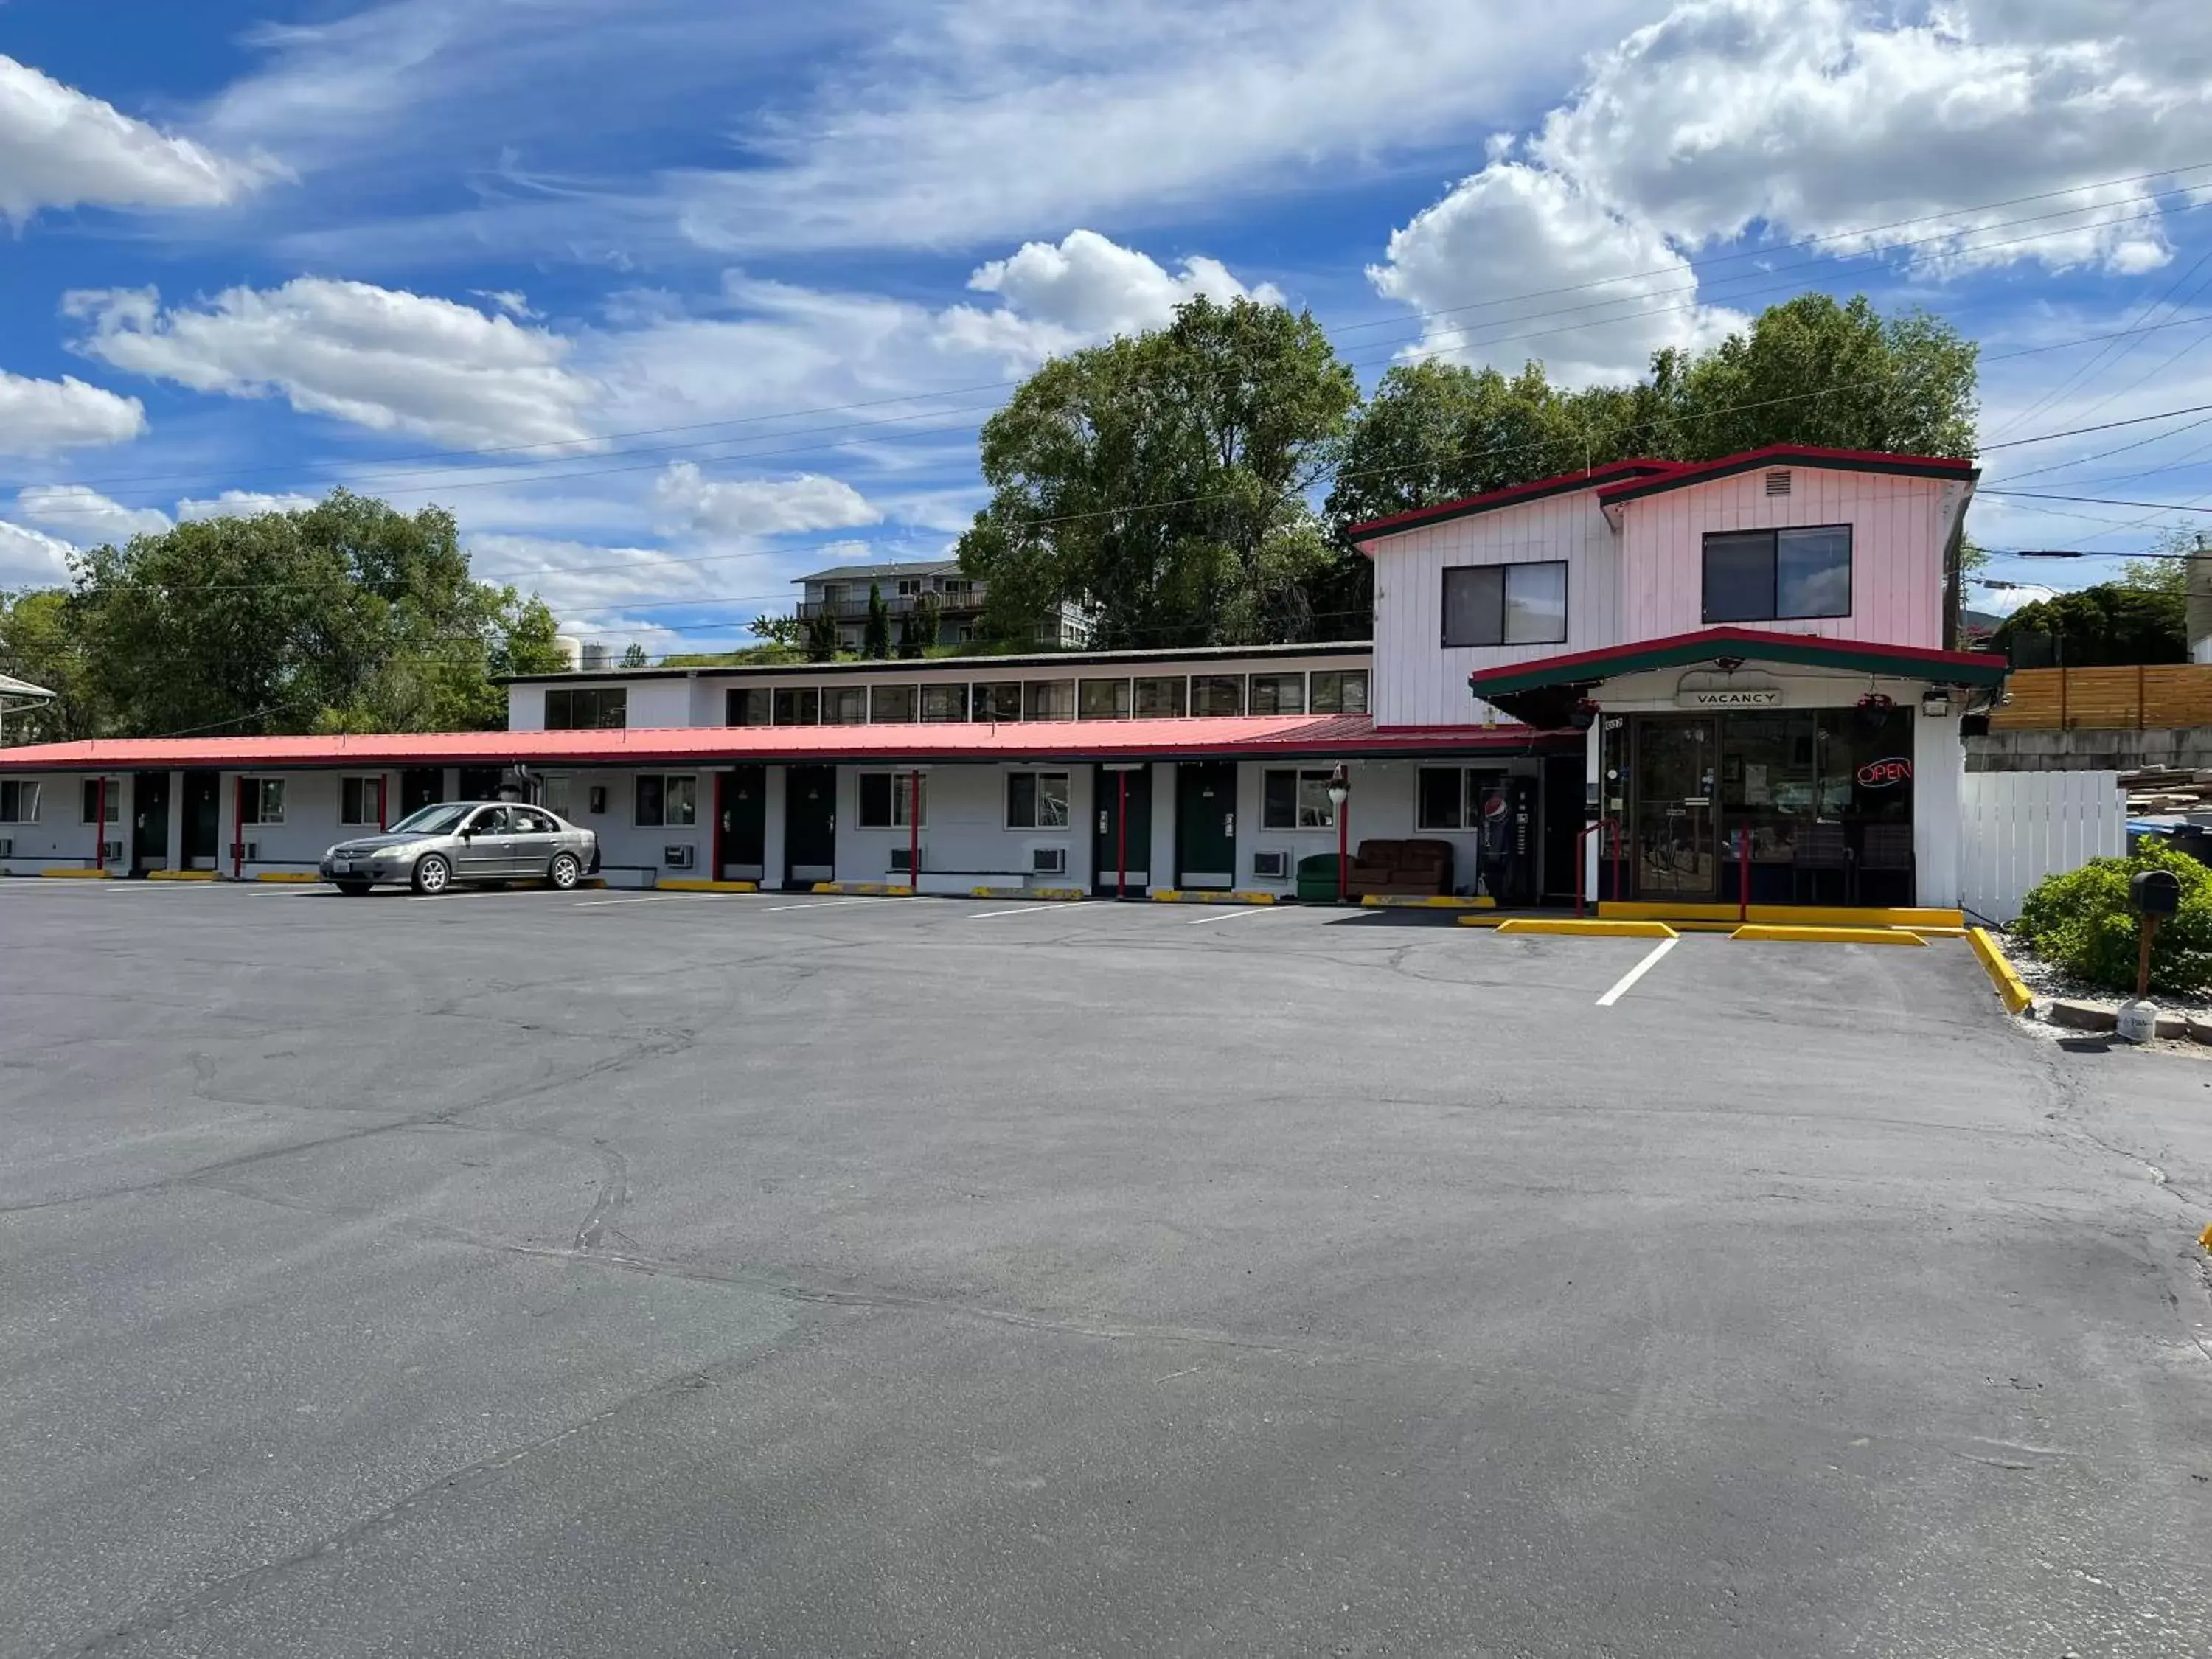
[(1507, 851)]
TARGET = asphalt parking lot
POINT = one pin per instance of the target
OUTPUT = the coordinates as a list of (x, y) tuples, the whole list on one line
[(645, 1273)]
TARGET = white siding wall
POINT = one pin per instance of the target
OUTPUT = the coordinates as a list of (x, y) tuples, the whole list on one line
[(1384, 806), (60, 838), (525, 708), (964, 838), (1899, 527), (1416, 681)]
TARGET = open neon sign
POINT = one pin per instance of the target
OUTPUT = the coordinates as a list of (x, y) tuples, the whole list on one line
[(1880, 775)]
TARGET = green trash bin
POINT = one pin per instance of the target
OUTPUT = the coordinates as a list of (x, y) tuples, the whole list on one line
[(1318, 878)]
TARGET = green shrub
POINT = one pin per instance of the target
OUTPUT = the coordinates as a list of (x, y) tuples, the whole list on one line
[(2082, 921)]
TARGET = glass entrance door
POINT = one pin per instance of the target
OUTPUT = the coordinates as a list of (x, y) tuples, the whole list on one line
[(1672, 826)]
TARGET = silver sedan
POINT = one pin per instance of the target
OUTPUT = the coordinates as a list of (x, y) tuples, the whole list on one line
[(466, 841)]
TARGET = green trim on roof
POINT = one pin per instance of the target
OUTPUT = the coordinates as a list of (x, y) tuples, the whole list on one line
[(1815, 653)]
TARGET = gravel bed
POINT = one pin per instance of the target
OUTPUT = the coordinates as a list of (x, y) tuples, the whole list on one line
[(2047, 979)]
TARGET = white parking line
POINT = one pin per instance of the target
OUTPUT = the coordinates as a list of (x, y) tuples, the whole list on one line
[(642, 898), (823, 904), (1233, 915), (1620, 985), (1024, 911)]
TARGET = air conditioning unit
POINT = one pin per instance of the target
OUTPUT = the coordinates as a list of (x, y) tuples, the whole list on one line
[(252, 852), (1275, 866), (1048, 861), (902, 859), (678, 855)]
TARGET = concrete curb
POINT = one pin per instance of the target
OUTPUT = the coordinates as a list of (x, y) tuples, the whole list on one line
[(865, 889), (1778, 934), (302, 876), (2011, 989), (1173, 896), (707, 886), (1601, 928), (66, 873), (183, 875), (1419, 901), (2088, 1017), (1785, 915)]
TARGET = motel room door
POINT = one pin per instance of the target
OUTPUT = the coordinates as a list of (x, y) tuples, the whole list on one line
[(149, 822), (742, 831), (1205, 824), (1106, 837), (202, 819), (810, 825), (1672, 817)]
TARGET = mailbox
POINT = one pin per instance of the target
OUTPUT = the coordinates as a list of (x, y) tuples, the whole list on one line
[(2154, 892)]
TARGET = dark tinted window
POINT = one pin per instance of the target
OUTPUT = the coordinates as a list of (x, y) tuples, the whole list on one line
[(799, 705), (589, 709), (1441, 798), (1765, 575), (749, 705)]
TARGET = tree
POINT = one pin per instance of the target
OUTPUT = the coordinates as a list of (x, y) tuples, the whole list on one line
[(347, 616), (2114, 623), (38, 643), (788, 631), (925, 623), (635, 657), (820, 636), (876, 636), (1160, 482)]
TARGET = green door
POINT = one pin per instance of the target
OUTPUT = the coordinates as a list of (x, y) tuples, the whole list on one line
[(202, 819), (1205, 824), (149, 822), (1122, 798), (810, 825), (742, 831)]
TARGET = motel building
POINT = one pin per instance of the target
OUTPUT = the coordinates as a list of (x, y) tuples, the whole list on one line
[(1650, 684)]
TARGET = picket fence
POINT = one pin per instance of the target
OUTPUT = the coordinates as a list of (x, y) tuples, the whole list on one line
[(2019, 827)]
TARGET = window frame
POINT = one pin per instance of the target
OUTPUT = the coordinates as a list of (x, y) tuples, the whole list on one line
[(1037, 698), (901, 786), (996, 691), (1279, 681), (913, 693), (23, 789), (1323, 810), (361, 782), (599, 697), (88, 801), (798, 698), (951, 692), (1216, 682), (1773, 536), (262, 793), (1122, 695), (837, 698), (1180, 684), (689, 791), (736, 703), (1343, 677), (1037, 778), (1504, 570)]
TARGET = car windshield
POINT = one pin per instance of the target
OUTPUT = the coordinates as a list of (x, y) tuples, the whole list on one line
[(431, 821)]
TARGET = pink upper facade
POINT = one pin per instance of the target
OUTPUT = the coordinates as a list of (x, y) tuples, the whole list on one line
[(1631, 540)]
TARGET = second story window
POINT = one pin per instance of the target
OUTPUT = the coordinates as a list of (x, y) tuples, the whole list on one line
[(798, 705), (600, 708), (1216, 694), (1506, 603), (1773, 575), (749, 705), (1279, 694), (1341, 692)]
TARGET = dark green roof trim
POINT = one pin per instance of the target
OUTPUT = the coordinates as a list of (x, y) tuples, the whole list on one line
[(1712, 644)]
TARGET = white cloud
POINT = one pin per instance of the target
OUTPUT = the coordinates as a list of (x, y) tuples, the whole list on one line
[(510, 300), (242, 504), (30, 558), (60, 147), (87, 515), (1513, 231), (380, 358), (759, 507), (43, 417)]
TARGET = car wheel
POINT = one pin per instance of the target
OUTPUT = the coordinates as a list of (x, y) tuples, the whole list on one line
[(564, 871), (351, 889), (432, 873)]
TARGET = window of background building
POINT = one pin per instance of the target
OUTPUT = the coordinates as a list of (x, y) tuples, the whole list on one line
[(19, 800), (91, 806), (1340, 693), (1277, 694), (1216, 694), (667, 802), (996, 700), (844, 705), (360, 800), (885, 798), (944, 703), (560, 794), (1296, 801), (1048, 699), (1506, 603), (1450, 796), (1767, 575), (1161, 698), (1036, 800), (750, 705), (588, 708), (1104, 700), (798, 705), (891, 705), (263, 800)]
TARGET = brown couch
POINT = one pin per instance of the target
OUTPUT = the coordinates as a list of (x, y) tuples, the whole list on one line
[(1423, 868)]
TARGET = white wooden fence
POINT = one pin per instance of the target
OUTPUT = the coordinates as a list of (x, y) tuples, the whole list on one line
[(2019, 827)]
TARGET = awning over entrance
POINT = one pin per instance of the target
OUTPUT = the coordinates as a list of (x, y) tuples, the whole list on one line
[(1544, 693)]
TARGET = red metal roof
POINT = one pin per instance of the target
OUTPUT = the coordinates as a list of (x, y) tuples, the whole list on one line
[(1839, 460), (1511, 494), (1251, 737)]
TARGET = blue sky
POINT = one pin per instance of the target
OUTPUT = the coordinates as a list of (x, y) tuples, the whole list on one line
[(672, 300)]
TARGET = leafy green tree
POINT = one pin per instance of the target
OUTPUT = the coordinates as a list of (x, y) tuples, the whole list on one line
[(350, 615), (821, 641), (788, 631), (635, 657), (2114, 623), (1161, 481), (38, 643), (876, 636)]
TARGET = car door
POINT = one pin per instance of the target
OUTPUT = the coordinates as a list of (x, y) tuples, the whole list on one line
[(486, 851), (536, 838)]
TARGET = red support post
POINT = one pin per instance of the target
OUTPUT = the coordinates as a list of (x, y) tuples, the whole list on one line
[(913, 832), (1343, 849), (238, 830), (1121, 836), (99, 826)]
